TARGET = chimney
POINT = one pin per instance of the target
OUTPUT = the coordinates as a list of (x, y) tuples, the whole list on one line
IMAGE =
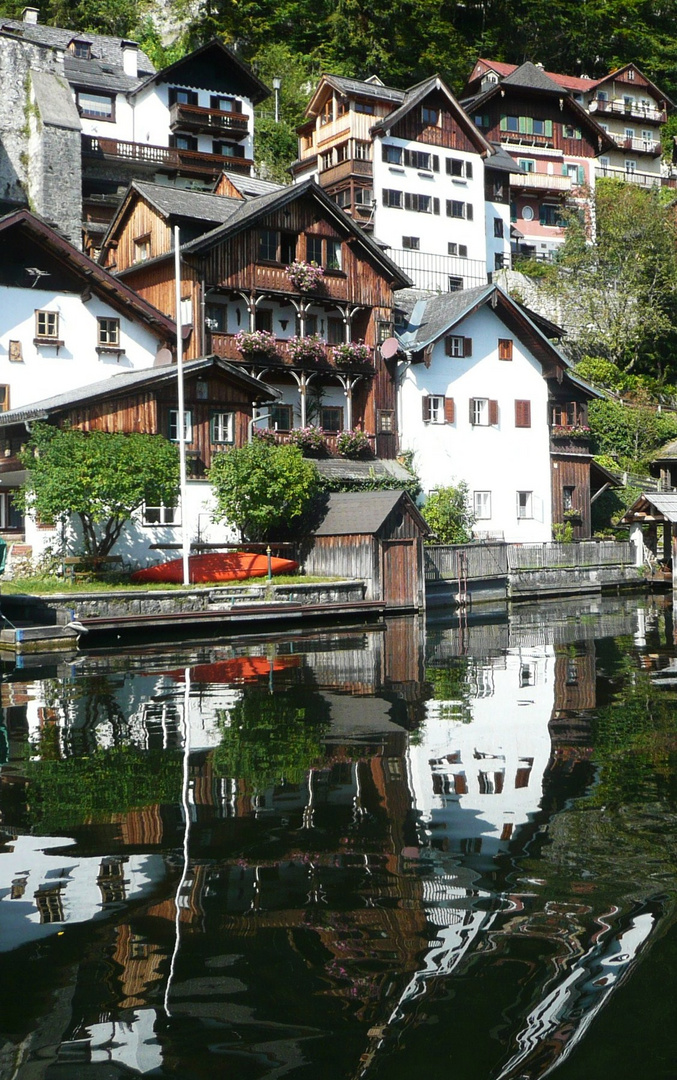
[(130, 58), (30, 15)]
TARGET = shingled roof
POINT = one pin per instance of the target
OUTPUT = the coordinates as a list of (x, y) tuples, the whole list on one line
[(532, 77), (362, 512)]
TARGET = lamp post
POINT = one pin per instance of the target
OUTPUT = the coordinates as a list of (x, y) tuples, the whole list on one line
[(277, 83)]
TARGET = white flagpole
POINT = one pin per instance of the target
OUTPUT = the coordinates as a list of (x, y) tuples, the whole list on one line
[(185, 542)]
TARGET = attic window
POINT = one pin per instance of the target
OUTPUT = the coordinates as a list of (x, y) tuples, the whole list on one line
[(430, 116), (96, 106), (81, 49)]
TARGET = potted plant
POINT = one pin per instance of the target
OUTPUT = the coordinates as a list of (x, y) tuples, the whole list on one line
[(576, 431), (256, 343), (310, 440), (307, 350), (353, 444), (305, 276), (351, 352)]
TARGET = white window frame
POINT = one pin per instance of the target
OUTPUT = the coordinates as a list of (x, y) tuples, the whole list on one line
[(480, 412), (220, 432), (50, 325), (436, 408), (482, 505), (457, 346), (525, 505), (108, 332), (164, 514), (174, 425)]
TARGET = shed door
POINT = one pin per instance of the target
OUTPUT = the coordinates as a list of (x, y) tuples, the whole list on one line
[(399, 581)]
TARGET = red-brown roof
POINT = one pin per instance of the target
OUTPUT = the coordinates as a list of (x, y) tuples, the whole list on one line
[(569, 82)]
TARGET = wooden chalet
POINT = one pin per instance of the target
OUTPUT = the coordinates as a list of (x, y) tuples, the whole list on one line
[(377, 535), (235, 280)]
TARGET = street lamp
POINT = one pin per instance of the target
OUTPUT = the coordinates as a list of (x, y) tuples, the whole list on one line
[(277, 83)]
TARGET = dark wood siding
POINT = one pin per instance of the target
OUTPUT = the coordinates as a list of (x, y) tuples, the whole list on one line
[(572, 472), (448, 133)]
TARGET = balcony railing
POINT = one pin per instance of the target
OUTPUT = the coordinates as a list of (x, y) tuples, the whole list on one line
[(443, 273), (644, 179), (343, 169), (640, 146), (224, 345), (537, 181), (521, 138), (634, 109), (330, 448), (569, 442), (208, 121), (162, 157)]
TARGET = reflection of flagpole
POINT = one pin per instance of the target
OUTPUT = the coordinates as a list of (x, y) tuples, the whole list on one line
[(186, 833), (181, 412)]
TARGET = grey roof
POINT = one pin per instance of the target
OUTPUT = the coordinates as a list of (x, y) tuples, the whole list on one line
[(106, 50), (128, 380), (665, 502), (189, 71), (381, 468), (252, 186), (431, 314), (182, 202), (667, 452), (501, 160), (357, 512), (55, 101), (365, 89), (531, 77)]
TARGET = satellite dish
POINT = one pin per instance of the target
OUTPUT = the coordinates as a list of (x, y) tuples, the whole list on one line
[(389, 348)]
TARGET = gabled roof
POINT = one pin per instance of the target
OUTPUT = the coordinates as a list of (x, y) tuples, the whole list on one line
[(249, 212), (249, 187), (571, 82), (100, 281), (363, 512), (659, 94), (532, 77), (174, 202), (417, 94), (346, 470), (213, 66), (106, 50), (374, 91), (656, 506), (124, 381)]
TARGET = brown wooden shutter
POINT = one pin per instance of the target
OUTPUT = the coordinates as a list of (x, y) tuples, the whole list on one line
[(522, 414), (505, 348), (467, 346), (447, 346), (426, 408), (448, 410), (493, 412), (471, 415)]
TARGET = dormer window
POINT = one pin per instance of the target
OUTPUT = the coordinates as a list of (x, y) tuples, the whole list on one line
[(81, 49)]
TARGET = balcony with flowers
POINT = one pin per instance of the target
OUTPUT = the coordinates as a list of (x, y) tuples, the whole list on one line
[(307, 353), (314, 442), (570, 439)]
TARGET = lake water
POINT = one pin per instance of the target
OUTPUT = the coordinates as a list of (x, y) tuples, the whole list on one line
[(443, 851)]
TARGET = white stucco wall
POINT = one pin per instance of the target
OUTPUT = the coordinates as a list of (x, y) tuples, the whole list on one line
[(151, 118), (502, 459), (43, 371)]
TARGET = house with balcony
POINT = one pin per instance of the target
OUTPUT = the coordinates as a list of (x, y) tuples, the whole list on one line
[(627, 104), (485, 396), (553, 140), (65, 322), (182, 125), (413, 169)]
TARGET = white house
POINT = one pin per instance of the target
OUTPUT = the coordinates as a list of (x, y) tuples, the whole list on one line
[(480, 390)]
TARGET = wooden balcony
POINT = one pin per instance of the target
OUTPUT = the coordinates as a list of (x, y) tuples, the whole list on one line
[(224, 345), (574, 442), (162, 157), (538, 181), (274, 279), (644, 179), (330, 449), (208, 121), (344, 170), (633, 109)]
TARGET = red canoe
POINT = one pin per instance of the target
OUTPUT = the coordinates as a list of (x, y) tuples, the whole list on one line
[(215, 566)]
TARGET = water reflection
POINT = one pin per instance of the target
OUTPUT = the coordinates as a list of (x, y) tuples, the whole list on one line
[(360, 852)]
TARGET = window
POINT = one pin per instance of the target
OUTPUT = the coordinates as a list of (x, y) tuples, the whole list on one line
[(331, 418), (526, 125), (461, 250), (4, 398), (392, 154), (417, 159), (160, 515), (333, 261), (280, 418), (142, 248), (386, 421), (630, 166), (364, 196), (429, 116), (202, 390), (456, 209), (422, 204), (498, 227), (216, 317), (362, 151), (454, 283), (314, 249), (311, 326), (327, 112), (183, 142), (179, 96), (226, 149), (268, 245), (523, 414), (47, 325), (96, 106), (630, 75), (602, 95), (222, 427), (576, 172), (335, 331), (224, 104), (81, 49), (499, 260), (527, 674), (437, 409), (108, 333), (455, 345), (482, 504), (647, 136), (483, 412), (264, 319), (524, 507), (342, 198), (186, 311), (411, 243), (174, 425), (571, 132), (505, 348), (551, 215), (527, 213), (482, 120), (327, 159), (393, 199), (364, 107), (527, 164), (568, 498), (460, 169), (341, 152)]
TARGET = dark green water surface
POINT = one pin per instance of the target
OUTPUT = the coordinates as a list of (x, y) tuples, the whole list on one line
[(444, 851)]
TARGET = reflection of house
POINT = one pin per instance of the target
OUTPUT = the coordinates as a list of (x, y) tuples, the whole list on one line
[(219, 399), (486, 397), (550, 136)]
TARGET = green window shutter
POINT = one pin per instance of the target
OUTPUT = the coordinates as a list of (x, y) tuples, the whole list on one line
[(504, 122), (548, 128), (523, 125)]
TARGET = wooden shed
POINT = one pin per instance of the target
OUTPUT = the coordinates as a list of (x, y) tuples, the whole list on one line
[(375, 535)]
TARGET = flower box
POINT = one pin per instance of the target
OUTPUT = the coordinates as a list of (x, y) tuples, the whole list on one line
[(353, 445), (310, 440), (304, 276), (307, 350), (352, 352), (256, 343)]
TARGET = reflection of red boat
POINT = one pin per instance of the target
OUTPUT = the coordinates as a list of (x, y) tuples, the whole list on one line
[(238, 669), (215, 566)]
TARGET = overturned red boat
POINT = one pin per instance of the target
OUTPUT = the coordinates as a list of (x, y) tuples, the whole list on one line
[(215, 566)]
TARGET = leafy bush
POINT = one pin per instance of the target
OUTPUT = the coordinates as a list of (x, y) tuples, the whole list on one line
[(449, 515), (629, 434)]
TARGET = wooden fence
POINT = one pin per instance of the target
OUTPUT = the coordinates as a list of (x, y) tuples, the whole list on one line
[(446, 562)]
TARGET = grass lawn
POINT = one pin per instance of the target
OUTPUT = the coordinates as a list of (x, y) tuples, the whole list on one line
[(36, 586)]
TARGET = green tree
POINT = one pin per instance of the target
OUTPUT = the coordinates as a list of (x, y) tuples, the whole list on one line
[(263, 490), (449, 514), (102, 478), (630, 434)]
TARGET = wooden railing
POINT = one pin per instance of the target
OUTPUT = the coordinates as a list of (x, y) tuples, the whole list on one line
[(224, 345), (569, 444), (164, 156), (586, 553), (196, 118), (446, 562)]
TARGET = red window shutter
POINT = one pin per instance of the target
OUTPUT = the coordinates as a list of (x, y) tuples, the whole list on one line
[(522, 414), (467, 346), (448, 410), (426, 408), (493, 412)]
